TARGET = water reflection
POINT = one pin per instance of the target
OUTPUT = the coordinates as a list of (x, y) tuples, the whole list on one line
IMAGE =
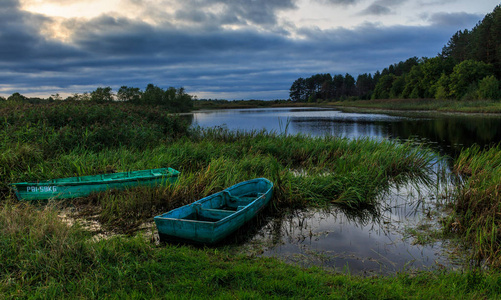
[(373, 241), (448, 134)]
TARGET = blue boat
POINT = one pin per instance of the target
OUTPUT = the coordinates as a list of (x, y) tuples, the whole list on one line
[(211, 219)]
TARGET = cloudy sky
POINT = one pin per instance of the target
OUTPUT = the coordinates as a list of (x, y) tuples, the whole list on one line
[(231, 49)]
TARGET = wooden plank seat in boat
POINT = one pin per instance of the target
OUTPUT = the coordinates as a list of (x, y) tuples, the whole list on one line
[(241, 201), (232, 204), (214, 214)]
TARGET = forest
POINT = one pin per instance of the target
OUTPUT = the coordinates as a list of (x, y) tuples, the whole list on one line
[(468, 68), (172, 99)]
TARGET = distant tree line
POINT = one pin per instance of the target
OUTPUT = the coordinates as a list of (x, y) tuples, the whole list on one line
[(326, 87), (469, 67), (172, 99)]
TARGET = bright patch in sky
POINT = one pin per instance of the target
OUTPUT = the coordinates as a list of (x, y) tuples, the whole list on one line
[(72, 9)]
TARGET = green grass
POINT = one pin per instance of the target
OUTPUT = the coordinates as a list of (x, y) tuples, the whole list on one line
[(478, 203), (66, 139), (464, 106), (65, 126)]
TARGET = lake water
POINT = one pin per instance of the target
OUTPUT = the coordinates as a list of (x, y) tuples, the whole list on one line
[(448, 133), (365, 243)]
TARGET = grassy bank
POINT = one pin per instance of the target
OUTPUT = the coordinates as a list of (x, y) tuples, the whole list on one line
[(431, 105), (74, 139), (464, 106), (43, 257)]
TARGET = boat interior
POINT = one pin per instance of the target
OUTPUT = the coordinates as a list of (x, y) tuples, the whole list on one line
[(221, 206)]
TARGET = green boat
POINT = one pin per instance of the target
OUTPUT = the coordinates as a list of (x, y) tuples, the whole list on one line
[(82, 186), (211, 219)]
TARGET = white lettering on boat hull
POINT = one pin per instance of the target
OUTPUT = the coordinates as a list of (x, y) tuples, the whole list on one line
[(41, 189)]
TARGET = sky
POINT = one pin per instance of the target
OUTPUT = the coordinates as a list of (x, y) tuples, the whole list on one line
[(224, 49)]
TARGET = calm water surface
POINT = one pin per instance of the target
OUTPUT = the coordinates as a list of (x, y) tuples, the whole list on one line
[(447, 133), (368, 242)]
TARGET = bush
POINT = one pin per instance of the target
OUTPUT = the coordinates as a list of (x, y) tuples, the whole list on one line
[(465, 74), (64, 126), (488, 88), (442, 88)]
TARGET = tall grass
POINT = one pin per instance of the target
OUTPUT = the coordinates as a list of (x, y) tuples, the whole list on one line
[(31, 134), (74, 139), (305, 170), (478, 202), (61, 127), (37, 247)]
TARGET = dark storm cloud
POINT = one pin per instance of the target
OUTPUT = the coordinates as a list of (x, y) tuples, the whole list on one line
[(376, 9), (435, 2), (382, 7), (115, 38), (20, 37), (207, 19), (112, 51), (9, 4), (260, 12), (458, 20)]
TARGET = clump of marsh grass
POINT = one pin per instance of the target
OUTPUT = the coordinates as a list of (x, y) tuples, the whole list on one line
[(37, 246), (60, 127), (478, 198), (477, 203), (34, 137)]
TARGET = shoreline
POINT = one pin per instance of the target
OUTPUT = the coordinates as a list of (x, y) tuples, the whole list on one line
[(466, 107)]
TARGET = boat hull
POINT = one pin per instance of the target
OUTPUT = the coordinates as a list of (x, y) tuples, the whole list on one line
[(211, 219), (73, 187)]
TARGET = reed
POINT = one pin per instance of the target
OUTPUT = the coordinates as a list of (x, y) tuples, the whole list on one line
[(350, 173), (61, 127), (477, 207)]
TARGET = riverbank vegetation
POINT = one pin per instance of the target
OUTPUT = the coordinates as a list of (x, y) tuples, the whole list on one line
[(468, 68), (46, 252), (432, 105), (477, 205), (237, 104)]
